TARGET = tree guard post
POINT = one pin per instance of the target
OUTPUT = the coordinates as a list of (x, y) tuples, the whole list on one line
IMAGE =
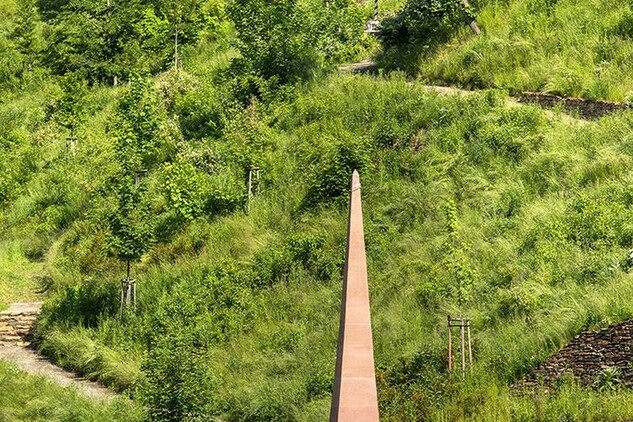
[(471, 20), (463, 348), (71, 141), (355, 397), (253, 172), (140, 175), (464, 331), (128, 291), (450, 345)]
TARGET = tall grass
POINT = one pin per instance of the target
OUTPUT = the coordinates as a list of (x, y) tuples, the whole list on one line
[(18, 276), (27, 398), (542, 211), (564, 47)]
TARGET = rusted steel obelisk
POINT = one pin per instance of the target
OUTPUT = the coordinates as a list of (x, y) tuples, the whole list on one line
[(355, 398)]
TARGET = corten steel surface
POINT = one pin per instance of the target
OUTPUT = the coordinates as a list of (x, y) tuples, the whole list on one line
[(355, 398)]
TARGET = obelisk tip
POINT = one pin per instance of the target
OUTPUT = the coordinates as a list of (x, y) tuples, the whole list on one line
[(355, 180)]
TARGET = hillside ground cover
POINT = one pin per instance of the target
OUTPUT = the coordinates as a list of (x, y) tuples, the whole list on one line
[(238, 312), (19, 277), (27, 398), (515, 217), (566, 47)]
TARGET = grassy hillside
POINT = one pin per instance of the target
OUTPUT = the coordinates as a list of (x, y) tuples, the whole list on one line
[(26, 398), (568, 47), (521, 215), (541, 206)]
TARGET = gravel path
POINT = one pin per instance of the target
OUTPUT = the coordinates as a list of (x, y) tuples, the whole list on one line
[(31, 307), (27, 359), (31, 362)]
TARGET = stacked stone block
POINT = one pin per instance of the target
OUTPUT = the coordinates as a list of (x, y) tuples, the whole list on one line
[(587, 355), (586, 109), (16, 327)]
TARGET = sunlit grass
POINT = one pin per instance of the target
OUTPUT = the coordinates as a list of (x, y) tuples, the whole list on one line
[(27, 398)]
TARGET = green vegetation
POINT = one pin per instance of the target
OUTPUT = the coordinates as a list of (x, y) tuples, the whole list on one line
[(27, 398), (568, 47), (18, 276), (518, 217)]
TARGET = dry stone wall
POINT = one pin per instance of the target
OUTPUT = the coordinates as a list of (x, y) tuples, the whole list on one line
[(588, 354), (586, 109), (16, 326)]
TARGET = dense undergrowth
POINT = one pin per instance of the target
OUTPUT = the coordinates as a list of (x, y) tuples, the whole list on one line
[(521, 215), (567, 47)]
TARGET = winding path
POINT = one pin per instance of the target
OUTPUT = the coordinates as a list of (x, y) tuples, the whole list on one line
[(15, 348)]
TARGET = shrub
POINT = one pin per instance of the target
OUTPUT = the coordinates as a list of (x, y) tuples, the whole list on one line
[(85, 303), (420, 26), (332, 180), (286, 42), (608, 380), (182, 188), (179, 387)]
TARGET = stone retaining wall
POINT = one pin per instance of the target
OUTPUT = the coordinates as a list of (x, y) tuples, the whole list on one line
[(587, 109), (15, 327), (588, 354)]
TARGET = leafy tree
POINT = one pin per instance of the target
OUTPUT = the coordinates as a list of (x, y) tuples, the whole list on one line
[(422, 23), (137, 127), (183, 189), (186, 19), (102, 42), (286, 41), (455, 257), (80, 41), (130, 231), (68, 110), (136, 132), (24, 33), (273, 39)]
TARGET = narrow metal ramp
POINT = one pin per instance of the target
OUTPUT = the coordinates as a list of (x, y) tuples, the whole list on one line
[(355, 397)]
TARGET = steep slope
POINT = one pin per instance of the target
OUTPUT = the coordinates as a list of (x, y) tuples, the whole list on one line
[(520, 216), (566, 47)]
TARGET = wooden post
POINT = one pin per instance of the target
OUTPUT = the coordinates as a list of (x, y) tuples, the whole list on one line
[(134, 293), (471, 21), (70, 145), (470, 348), (250, 190), (122, 298), (257, 178), (140, 175), (463, 350), (450, 345)]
